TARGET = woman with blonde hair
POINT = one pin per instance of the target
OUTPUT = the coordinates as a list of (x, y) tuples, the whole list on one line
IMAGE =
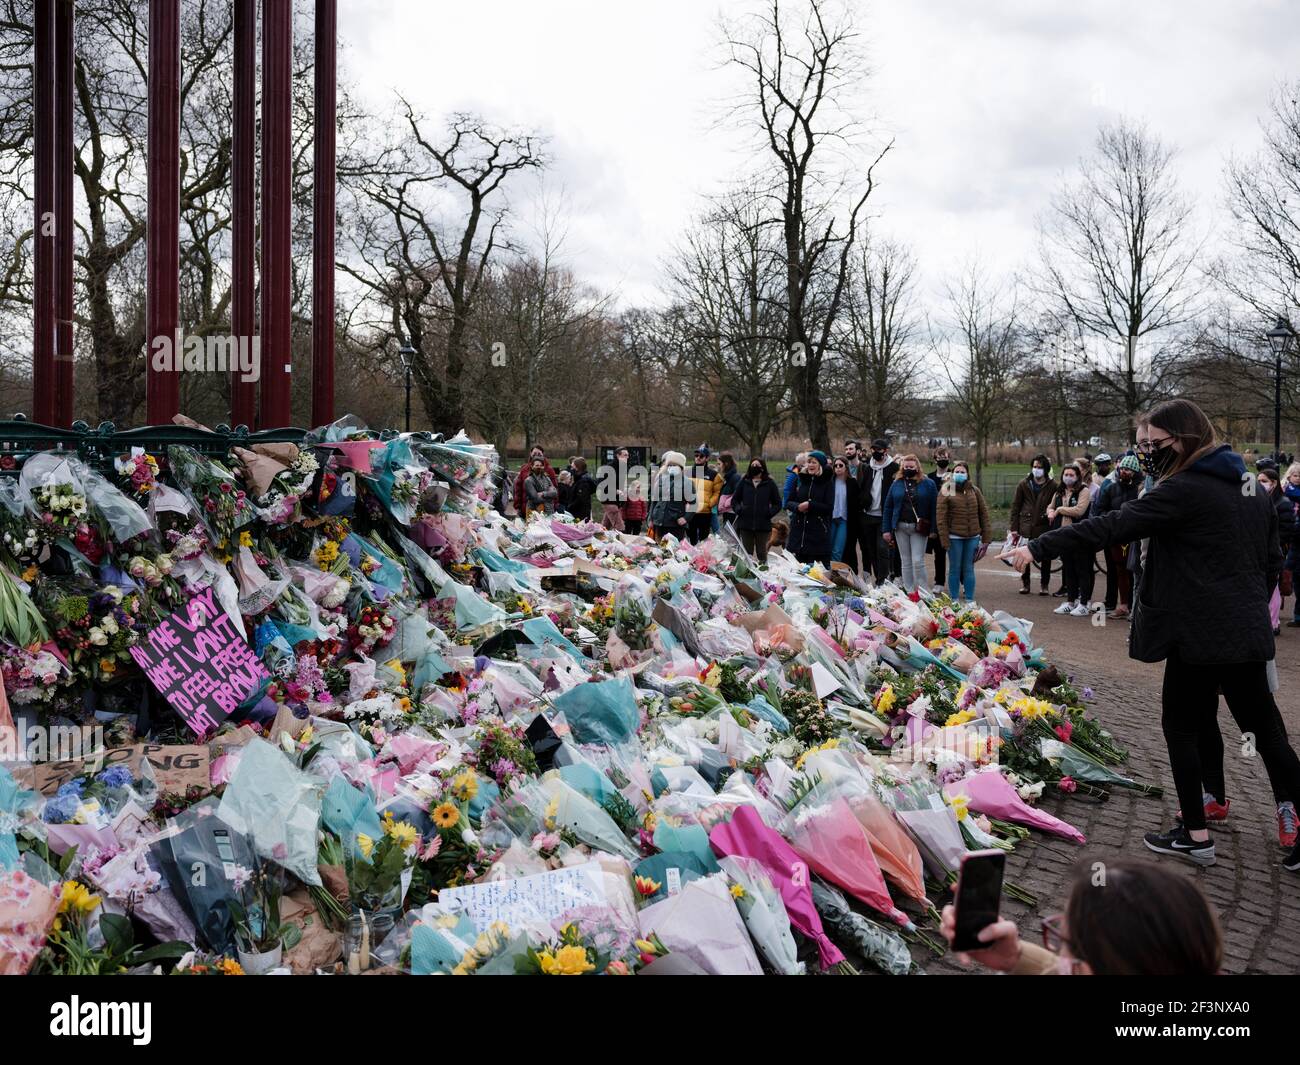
[(908, 517)]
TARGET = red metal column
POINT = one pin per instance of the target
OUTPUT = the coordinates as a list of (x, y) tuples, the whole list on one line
[(243, 194), (46, 223), (162, 223), (277, 132), (322, 290), (63, 174)]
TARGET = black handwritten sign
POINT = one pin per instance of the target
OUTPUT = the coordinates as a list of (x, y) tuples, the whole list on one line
[(198, 660)]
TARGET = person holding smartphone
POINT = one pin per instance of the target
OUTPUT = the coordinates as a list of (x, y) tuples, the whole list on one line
[(1200, 608), (1137, 920)]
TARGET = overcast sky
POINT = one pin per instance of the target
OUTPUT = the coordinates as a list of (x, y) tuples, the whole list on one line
[(989, 104)]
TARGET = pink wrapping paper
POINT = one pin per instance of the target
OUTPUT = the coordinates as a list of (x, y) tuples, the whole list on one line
[(893, 847), (746, 834), (63, 837), (835, 845), (27, 910), (880, 619), (992, 794), (356, 453)]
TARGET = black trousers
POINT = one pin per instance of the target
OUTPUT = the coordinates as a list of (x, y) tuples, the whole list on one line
[(875, 552), (755, 542), (1079, 575), (1189, 717), (698, 527), (1044, 574), (940, 561)]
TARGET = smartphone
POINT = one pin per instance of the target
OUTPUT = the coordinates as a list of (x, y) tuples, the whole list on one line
[(979, 896)]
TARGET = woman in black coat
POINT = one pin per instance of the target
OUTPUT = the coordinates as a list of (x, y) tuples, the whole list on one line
[(754, 503), (811, 505), (1202, 607)]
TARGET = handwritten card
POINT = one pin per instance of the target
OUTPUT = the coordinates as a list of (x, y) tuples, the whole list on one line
[(526, 899), (199, 661)]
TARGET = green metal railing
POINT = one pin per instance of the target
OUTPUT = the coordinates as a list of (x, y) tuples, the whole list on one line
[(100, 445)]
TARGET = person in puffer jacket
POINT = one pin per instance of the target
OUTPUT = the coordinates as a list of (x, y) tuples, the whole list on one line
[(708, 490)]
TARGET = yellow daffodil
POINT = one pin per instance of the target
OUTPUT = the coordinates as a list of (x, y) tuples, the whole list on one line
[(960, 805), (446, 814), (552, 812), (961, 717), (245, 539), (737, 892), (77, 898), (365, 844), (566, 961)]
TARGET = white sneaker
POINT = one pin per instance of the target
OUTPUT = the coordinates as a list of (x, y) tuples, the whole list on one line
[(937, 589), (1080, 611), (1065, 608)]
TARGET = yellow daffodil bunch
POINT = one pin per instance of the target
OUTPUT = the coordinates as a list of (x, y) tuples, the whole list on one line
[(737, 892), (245, 539), (1030, 708)]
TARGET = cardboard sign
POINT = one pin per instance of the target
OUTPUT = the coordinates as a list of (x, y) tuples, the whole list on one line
[(175, 767), (199, 661)]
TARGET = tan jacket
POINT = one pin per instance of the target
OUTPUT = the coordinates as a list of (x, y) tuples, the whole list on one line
[(1035, 961), (962, 513)]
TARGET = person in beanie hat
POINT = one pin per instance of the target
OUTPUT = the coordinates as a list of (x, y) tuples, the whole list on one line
[(1115, 493), (668, 496)]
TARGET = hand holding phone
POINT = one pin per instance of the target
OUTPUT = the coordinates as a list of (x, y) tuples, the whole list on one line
[(979, 896)]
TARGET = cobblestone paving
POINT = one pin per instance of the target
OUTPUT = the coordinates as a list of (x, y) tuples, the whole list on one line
[(1257, 900)]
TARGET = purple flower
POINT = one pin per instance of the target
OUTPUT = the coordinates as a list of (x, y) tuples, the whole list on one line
[(1087, 693)]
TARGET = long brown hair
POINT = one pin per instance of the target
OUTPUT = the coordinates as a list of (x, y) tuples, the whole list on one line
[(1135, 918), (898, 473), (1185, 422)]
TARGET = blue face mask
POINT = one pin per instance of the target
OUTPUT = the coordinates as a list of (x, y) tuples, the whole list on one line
[(960, 478)]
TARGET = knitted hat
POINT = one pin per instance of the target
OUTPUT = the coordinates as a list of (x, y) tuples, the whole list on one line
[(821, 457), (672, 458), (1103, 458), (1130, 462)]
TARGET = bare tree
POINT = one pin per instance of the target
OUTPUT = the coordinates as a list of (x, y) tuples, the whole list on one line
[(982, 354), (432, 216), (726, 280), (802, 69), (1118, 257), (879, 364)]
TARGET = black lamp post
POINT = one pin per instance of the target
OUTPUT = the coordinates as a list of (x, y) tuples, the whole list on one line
[(1279, 339), (407, 353)]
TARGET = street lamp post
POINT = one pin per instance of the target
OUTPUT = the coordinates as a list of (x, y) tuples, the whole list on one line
[(1279, 339), (407, 353)]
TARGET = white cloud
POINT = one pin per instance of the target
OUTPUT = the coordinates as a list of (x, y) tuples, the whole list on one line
[(990, 103)]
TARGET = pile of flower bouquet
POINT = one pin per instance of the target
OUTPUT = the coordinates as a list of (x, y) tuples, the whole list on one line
[(471, 744)]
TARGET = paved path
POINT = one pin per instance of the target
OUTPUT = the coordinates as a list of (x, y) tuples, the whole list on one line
[(1257, 900)]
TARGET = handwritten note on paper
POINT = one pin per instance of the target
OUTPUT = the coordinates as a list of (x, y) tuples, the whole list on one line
[(541, 897), (200, 663)]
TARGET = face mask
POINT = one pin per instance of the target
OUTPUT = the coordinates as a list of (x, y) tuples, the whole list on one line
[(960, 478), (877, 455), (756, 471), (942, 464), (909, 474), (1156, 462), (1039, 473), (1068, 478)]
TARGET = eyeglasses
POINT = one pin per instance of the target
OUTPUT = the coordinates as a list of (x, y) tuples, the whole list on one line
[(1054, 937), (1145, 447)]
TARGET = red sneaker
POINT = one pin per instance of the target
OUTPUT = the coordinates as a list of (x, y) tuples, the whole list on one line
[(1214, 810), (1286, 824)]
